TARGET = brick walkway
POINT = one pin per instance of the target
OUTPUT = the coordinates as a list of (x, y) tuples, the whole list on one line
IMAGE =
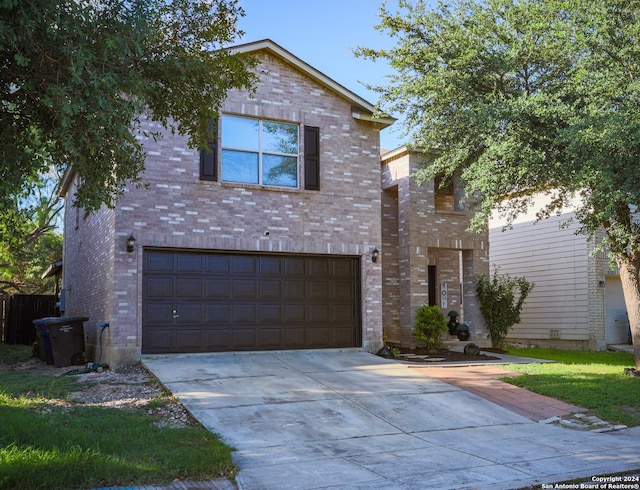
[(482, 381)]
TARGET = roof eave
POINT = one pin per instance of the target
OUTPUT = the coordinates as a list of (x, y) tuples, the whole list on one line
[(364, 110)]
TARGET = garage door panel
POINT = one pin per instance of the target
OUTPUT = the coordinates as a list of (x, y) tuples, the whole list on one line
[(244, 288), (244, 338), (159, 287), (158, 340), (219, 264), (343, 313), (244, 313), (294, 313), (342, 268), (217, 314), (189, 313), (216, 339), (295, 338), (270, 265), (318, 290), (343, 290), (320, 337), (270, 313), (188, 288), (218, 288), (244, 264), (158, 312), (189, 262), (271, 338), (159, 261), (318, 313), (189, 339), (318, 266), (270, 289), (293, 289), (294, 266), (343, 336), (240, 301)]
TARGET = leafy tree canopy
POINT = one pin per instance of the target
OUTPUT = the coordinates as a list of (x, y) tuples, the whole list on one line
[(30, 237), (78, 76), (523, 97)]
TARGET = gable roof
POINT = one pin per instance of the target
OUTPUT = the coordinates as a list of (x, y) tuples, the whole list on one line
[(360, 108)]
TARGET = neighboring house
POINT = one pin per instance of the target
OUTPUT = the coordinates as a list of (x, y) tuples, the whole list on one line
[(577, 300), (267, 242)]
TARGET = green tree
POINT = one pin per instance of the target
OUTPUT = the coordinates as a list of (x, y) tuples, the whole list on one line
[(78, 79), (31, 238), (525, 97), (501, 298)]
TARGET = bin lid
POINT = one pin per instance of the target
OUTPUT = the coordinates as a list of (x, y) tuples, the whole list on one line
[(55, 320)]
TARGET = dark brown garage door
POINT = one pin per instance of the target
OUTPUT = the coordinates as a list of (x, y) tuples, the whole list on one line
[(206, 302)]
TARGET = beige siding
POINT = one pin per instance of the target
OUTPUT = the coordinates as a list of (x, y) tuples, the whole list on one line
[(555, 259)]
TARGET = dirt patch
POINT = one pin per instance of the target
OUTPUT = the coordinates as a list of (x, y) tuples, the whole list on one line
[(130, 386)]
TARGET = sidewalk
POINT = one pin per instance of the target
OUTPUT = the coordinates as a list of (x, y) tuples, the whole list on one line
[(482, 380)]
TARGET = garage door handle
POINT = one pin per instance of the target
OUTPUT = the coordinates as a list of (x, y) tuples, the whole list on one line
[(175, 314)]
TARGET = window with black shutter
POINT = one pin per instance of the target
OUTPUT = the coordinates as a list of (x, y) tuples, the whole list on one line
[(209, 159), (312, 158)]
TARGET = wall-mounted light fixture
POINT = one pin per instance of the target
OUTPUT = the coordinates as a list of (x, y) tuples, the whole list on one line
[(131, 243), (374, 255), (601, 283)]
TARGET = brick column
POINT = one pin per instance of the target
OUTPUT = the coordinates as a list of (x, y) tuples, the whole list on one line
[(473, 262)]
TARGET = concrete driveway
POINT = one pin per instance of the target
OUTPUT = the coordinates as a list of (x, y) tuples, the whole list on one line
[(349, 419)]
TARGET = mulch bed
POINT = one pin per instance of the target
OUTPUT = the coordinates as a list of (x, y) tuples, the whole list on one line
[(422, 355)]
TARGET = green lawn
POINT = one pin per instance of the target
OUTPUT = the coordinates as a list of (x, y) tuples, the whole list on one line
[(46, 441), (593, 380)]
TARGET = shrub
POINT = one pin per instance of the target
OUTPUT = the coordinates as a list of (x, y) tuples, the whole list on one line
[(501, 299), (430, 324)]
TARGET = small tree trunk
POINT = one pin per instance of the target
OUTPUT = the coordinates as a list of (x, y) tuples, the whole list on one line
[(629, 267)]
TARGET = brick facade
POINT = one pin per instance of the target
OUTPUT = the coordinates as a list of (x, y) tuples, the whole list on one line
[(422, 228), (350, 215), (178, 210)]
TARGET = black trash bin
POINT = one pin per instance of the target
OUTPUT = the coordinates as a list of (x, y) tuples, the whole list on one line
[(44, 343), (61, 340)]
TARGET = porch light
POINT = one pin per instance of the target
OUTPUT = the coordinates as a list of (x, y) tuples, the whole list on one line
[(374, 255), (131, 243)]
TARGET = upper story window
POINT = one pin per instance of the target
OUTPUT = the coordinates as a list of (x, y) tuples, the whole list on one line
[(256, 151), (447, 194)]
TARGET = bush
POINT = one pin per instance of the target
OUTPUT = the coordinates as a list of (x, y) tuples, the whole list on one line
[(501, 299), (430, 325)]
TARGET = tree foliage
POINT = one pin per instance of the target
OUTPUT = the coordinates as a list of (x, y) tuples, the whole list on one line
[(525, 97), (78, 78), (501, 298), (31, 237)]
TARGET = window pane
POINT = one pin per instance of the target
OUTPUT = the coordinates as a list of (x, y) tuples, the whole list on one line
[(278, 170), (279, 137), (239, 166), (240, 132)]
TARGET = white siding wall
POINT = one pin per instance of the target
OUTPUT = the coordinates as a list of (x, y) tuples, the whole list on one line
[(556, 260)]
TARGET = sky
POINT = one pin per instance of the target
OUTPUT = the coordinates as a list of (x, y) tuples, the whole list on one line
[(324, 34)]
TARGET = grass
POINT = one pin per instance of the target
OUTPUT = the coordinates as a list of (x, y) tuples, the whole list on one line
[(46, 441), (593, 380)]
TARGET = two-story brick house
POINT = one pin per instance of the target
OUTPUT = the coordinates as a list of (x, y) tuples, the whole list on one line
[(269, 241), (430, 256)]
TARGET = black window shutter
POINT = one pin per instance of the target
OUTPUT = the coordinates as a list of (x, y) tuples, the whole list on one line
[(209, 159), (312, 158)]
